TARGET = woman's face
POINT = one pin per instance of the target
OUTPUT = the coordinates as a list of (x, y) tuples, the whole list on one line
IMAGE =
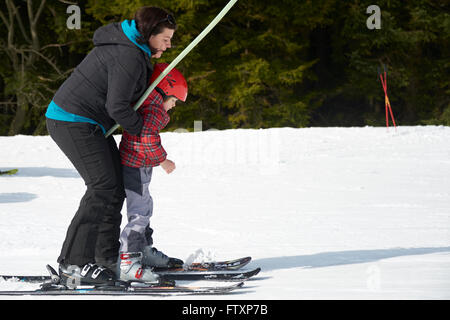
[(160, 42)]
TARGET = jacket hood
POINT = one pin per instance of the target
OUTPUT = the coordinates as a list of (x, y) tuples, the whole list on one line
[(111, 34)]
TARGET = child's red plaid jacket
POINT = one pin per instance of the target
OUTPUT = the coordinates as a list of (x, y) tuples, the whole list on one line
[(146, 150)]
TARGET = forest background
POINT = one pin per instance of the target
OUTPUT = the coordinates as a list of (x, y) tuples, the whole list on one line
[(283, 63)]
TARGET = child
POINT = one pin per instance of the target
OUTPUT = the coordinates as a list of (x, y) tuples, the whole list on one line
[(139, 154)]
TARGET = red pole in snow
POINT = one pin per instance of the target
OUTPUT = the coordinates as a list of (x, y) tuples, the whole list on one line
[(386, 98)]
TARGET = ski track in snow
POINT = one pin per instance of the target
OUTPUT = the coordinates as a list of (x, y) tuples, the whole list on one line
[(327, 213)]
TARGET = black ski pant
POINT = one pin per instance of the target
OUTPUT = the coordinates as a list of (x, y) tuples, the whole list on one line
[(93, 234)]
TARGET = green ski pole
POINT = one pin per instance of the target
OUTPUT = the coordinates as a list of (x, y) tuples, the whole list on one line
[(178, 59)]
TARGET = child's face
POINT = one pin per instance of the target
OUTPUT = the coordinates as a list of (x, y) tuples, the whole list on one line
[(169, 103)]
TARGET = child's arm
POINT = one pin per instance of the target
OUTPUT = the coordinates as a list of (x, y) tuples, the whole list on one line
[(154, 121)]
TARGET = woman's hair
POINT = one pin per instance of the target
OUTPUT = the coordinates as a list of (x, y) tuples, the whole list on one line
[(152, 21)]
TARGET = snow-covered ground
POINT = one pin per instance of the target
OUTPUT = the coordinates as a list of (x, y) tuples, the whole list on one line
[(327, 213)]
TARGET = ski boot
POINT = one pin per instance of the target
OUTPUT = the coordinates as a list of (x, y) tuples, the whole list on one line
[(132, 269), (156, 259), (73, 276)]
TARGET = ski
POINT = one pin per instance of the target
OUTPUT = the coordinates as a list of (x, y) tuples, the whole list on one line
[(9, 172), (25, 278), (129, 290), (221, 270), (220, 275), (219, 265)]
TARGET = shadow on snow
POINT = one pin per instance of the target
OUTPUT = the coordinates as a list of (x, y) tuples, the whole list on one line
[(328, 259), (16, 197)]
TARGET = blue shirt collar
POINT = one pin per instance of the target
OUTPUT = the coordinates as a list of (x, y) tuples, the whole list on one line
[(130, 30)]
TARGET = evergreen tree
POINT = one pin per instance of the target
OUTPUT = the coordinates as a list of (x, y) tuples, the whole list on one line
[(266, 64), (35, 50)]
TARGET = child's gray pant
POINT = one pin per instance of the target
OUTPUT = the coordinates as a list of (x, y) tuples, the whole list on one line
[(137, 233)]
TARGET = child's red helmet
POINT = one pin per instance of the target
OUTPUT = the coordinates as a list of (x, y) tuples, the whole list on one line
[(173, 84)]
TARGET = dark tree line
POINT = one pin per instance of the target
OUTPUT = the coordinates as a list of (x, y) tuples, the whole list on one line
[(267, 64)]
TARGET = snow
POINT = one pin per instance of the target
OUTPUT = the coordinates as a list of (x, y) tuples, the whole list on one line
[(327, 213)]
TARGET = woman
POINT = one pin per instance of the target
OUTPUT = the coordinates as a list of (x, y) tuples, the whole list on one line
[(98, 94)]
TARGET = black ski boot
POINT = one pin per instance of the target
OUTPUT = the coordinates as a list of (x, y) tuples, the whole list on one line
[(73, 276)]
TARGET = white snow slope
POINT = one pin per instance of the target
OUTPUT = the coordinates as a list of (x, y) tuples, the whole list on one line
[(327, 213)]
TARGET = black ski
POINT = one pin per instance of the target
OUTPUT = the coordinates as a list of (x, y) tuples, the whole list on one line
[(221, 270), (226, 275), (54, 287), (25, 278), (141, 290), (220, 265)]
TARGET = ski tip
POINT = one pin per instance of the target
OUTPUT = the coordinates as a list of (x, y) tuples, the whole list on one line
[(253, 272), (235, 286)]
